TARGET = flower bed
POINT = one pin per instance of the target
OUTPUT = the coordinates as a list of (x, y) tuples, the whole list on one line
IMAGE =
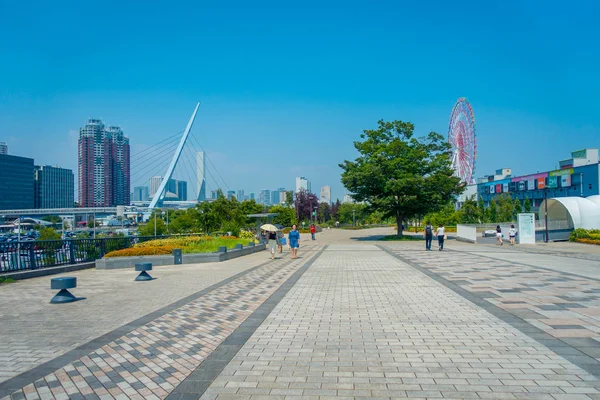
[(188, 244)]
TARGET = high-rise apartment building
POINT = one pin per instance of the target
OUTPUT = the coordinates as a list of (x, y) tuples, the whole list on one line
[(182, 190), (104, 170), (302, 183), (155, 182), (16, 183), (3, 148), (240, 195), (141, 193), (252, 197), (53, 187), (264, 197), (230, 194), (325, 196), (200, 159)]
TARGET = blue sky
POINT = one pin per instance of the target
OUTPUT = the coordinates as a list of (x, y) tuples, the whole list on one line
[(286, 89)]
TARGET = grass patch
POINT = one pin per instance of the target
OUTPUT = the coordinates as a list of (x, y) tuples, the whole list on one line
[(4, 279), (403, 238)]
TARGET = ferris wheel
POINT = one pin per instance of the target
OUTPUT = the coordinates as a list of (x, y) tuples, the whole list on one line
[(462, 138)]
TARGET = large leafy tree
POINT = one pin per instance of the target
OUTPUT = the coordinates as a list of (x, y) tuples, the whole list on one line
[(306, 203), (399, 174)]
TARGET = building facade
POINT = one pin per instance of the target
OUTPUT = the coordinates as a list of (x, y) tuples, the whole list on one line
[(53, 187), (325, 195), (578, 176), (103, 165), (141, 193), (16, 183), (182, 190), (302, 183), (3, 148), (264, 197)]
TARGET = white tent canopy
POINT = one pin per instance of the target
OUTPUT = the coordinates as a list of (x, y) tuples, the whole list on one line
[(578, 211)]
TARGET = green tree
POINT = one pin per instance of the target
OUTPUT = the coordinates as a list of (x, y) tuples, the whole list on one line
[(286, 217), (49, 234), (289, 198), (401, 175), (469, 212), (352, 212), (482, 210), (148, 229), (506, 208), (324, 212), (517, 209), (493, 210), (527, 204)]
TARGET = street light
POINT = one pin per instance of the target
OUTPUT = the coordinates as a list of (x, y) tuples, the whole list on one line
[(353, 217), (546, 213)]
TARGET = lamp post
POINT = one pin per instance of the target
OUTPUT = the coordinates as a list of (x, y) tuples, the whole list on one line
[(167, 221), (353, 217), (155, 224), (546, 214)]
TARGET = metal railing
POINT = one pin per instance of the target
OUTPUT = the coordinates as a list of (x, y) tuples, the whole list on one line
[(18, 256)]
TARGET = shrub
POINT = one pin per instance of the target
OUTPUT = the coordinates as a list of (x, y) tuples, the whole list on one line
[(588, 241), (175, 242), (141, 251), (246, 235)]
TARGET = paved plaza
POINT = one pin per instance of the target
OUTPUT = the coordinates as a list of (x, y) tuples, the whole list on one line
[(352, 318)]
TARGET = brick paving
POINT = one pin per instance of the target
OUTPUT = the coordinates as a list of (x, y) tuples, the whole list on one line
[(362, 324), (150, 361), (565, 306)]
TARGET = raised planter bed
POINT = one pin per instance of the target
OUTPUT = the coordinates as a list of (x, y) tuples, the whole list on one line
[(190, 258)]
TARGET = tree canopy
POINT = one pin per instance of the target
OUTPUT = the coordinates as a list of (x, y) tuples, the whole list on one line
[(401, 175)]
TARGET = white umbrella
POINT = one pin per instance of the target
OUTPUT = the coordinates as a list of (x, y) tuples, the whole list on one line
[(269, 227)]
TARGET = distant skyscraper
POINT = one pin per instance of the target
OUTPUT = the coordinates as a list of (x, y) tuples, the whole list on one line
[(200, 159), (103, 165), (302, 183), (53, 187), (282, 197), (182, 190), (16, 182), (214, 194), (155, 182), (275, 197), (141, 193), (265, 197), (240, 195), (230, 194), (348, 199), (325, 196), (3, 148), (252, 197)]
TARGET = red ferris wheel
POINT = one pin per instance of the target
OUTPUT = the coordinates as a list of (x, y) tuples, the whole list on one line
[(462, 138)]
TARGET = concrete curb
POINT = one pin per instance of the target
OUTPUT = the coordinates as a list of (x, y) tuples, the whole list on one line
[(36, 273), (129, 262)]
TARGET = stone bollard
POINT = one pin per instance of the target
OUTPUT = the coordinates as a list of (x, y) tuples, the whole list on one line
[(62, 285), (142, 268), (239, 246), (222, 249), (250, 244)]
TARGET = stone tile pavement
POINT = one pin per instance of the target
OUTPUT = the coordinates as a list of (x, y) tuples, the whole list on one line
[(363, 324), (151, 360)]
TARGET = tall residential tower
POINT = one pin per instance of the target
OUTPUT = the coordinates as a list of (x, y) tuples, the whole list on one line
[(104, 170)]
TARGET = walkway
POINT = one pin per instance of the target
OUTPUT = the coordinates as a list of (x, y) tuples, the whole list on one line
[(350, 319)]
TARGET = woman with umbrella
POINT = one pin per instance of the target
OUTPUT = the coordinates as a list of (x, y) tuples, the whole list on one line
[(272, 236), (280, 238)]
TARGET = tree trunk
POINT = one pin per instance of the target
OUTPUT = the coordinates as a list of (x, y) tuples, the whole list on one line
[(399, 224)]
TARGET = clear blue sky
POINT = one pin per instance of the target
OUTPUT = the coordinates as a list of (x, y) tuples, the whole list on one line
[(286, 89)]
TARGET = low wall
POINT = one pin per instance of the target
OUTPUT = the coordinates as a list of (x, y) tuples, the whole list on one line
[(36, 273), (129, 262), (466, 233)]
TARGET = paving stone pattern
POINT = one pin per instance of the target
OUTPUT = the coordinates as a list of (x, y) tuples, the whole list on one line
[(362, 324), (152, 360), (565, 306)]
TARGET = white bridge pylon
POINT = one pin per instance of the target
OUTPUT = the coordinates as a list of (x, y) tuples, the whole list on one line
[(159, 196)]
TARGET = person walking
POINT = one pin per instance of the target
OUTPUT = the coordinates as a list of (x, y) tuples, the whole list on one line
[(428, 236), (313, 230), (294, 238), (272, 243), (439, 232), (512, 234), (280, 241), (498, 235)]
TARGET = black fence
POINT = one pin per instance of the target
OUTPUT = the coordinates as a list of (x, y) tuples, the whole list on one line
[(49, 253)]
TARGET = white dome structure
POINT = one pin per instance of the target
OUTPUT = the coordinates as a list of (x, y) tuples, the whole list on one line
[(575, 212)]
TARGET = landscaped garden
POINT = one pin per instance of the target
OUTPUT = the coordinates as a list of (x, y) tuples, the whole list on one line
[(188, 244), (589, 236)]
